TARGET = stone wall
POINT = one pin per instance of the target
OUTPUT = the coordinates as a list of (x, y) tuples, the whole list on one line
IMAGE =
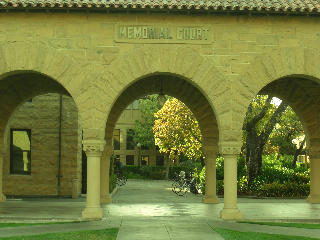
[(42, 117)]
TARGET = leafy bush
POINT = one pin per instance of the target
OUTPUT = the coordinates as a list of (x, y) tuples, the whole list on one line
[(288, 189), (220, 168), (145, 172), (220, 187)]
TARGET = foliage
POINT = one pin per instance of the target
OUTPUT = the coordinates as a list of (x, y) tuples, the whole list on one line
[(287, 189), (287, 224), (177, 131), (143, 133), (261, 118), (232, 235), (200, 178), (104, 234), (286, 130), (220, 187), (144, 172)]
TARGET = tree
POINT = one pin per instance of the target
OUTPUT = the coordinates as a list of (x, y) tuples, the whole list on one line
[(177, 131), (286, 133), (143, 133), (260, 121)]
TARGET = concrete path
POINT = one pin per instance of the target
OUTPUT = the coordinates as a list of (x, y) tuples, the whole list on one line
[(149, 210)]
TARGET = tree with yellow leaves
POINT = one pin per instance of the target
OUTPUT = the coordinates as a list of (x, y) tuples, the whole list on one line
[(176, 131)]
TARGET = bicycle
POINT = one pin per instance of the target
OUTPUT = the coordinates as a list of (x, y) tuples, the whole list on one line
[(182, 184), (121, 179)]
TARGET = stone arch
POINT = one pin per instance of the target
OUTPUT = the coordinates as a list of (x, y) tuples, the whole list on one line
[(76, 78), (192, 78), (175, 86), (28, 70), (145, 61), (277, 71), (293, 75)]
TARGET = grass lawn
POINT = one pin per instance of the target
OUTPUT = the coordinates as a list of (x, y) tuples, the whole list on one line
[(235, 235), (3, 225), (105, 234), (284, 224)]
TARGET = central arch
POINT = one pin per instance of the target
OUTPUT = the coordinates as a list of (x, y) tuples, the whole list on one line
[(180, 88), (122, 81)]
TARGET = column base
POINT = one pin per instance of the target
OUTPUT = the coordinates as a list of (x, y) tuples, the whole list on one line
[(2, 198), (313, 199), (92, 213), (105, 199), (231, 214), (210, 199)]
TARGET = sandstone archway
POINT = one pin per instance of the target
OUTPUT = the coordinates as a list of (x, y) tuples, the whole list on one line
[(292, 75)]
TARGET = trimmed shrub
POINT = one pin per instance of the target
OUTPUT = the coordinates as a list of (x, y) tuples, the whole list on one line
[(288, 189)]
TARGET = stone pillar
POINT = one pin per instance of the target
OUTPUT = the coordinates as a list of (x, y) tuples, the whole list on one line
[(2, 197), (93, 149), (230, 209), (314, 196), (104, 176), (210, 154)]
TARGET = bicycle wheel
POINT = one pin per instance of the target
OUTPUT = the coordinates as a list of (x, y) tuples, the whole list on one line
[(121, 180), (175, 187), (184, 188)]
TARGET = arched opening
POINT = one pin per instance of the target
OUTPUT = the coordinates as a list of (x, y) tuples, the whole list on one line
[(185, 91), (40, 139), (301, 93)]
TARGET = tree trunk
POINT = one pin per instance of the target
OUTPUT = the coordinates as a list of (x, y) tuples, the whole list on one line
[(254, 160), (167, 166), (254, 142), (296, 154)]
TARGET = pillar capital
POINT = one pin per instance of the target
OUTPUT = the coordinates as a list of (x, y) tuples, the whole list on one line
[(230, 148), (93, 147)]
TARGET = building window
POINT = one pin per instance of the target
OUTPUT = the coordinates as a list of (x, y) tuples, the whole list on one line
[(116, 139), (20, 151), (145, 160), (160, 160), (130, 142), (130, 160)]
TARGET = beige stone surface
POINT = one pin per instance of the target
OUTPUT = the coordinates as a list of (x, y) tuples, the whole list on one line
[(77, 55), (42, 117)]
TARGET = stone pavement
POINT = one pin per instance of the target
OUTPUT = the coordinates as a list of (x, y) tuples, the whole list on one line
[(149, 210)]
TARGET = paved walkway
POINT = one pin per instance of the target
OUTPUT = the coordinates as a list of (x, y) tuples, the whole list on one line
[(149, 210)]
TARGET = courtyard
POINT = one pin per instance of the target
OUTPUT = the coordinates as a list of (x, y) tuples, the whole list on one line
[(146, 209)]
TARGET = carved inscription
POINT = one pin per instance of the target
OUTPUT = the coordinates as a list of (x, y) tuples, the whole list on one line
[(152, 34)]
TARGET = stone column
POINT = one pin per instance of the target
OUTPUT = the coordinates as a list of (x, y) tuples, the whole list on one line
[(230, 209), (93, 149), (104, 176), (314, 196), (210, 154), (2, 197)]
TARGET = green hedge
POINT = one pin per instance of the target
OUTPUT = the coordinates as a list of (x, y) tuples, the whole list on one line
[(154, 172), (276, 178), (145, 172), (288, 189)]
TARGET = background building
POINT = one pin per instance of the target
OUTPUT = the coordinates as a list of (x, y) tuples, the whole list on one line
[(44, 150), (124, 147)]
